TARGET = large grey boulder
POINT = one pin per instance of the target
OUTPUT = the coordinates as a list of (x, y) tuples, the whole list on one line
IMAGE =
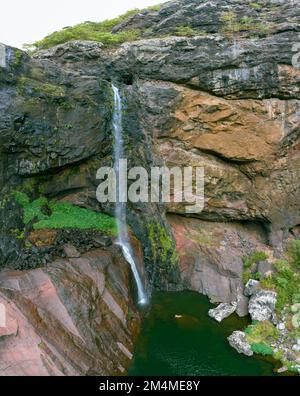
[(262, 305), (238, 341), (222, 311)]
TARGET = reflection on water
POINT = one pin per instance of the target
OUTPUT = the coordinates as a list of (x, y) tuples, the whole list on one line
[(178, 338)]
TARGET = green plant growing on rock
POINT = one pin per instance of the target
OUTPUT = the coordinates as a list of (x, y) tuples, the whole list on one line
[(254, 258), (41, 89), (246, 276), (262, 349), (230, 22), (63, 215), (249, 262), (32, 210), (294, 253), (232, 25), (261, 332), (285, 281)]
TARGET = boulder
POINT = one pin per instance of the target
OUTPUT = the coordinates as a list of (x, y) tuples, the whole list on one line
[(262, 305), (222, 311), (238, 341)]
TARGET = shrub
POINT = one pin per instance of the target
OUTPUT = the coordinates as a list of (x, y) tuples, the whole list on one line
[(246, 276), (262, 349), (254, 258), (294, 252), (285, 282), (95, 31), (282, 267)]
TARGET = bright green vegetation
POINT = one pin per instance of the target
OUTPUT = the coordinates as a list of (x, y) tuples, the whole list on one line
[(286, 279), (192, 344), (168, 249), (63, 215), (103, 32), (261, 335), (94, 31), (294, 253), (262, 349), (249, 262), (254, 258), (38, 87)]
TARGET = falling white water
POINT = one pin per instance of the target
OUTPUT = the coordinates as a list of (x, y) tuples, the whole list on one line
[(120, 208)]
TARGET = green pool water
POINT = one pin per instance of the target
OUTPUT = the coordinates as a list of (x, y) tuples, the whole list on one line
[(193, 344)]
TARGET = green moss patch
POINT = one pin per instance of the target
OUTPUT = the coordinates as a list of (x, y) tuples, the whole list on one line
[(159, 239), (63, 215), (39, 88)]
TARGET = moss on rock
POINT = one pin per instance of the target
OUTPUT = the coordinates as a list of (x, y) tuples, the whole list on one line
[(62, 215)]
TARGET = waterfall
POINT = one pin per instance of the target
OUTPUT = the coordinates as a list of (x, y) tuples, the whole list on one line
[(120, 208)]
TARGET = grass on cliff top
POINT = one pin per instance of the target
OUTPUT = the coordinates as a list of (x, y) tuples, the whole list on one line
[(94, 31), (63, 215)]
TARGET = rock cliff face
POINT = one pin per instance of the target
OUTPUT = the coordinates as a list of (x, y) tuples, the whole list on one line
[(74, 317), (226, 98)]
